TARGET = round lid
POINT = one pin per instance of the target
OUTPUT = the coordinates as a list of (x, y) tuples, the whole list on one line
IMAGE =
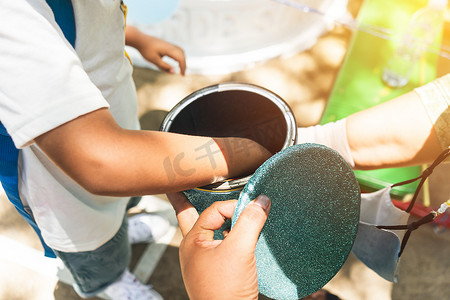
[(312, 222)]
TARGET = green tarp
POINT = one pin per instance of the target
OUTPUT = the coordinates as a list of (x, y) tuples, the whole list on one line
[(359, 85)]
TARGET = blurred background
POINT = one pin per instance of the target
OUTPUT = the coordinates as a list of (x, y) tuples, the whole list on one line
[(326, 59)]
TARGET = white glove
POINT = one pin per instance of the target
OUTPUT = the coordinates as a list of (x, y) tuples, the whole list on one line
[(333, 135)]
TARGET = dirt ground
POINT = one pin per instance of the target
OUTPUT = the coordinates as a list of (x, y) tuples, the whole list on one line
[(304, 81)]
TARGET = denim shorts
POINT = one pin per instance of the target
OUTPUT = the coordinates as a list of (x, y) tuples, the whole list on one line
[(93, 271)]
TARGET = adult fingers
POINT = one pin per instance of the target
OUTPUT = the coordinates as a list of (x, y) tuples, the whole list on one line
[(214, 217), (246, 231), (187, 215)]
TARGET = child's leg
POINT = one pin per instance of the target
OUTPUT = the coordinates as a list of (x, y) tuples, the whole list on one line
[(93, 271), (134, 201)]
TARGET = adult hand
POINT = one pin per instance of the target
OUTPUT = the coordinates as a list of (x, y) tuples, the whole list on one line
[(220, 269)]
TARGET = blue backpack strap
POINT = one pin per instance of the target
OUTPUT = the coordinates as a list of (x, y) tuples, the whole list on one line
[(9, 154), (64, 16), (9, 179)]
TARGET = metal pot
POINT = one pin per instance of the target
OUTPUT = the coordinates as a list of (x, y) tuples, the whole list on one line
[(232, 110)]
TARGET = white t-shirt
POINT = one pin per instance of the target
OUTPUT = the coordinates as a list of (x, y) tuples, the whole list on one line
[(44, 83)]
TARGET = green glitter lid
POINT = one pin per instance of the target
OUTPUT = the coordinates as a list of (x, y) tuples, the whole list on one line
[(312, 222)]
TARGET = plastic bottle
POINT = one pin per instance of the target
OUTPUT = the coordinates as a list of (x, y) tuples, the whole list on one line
[(425, 24)]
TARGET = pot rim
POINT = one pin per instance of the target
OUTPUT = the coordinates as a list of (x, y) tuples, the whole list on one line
[(291, 124)]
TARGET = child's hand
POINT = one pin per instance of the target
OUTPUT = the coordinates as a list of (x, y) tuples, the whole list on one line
[(154, 49)]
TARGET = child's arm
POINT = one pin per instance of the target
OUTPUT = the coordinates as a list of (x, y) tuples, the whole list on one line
[(154, 49), (109, 160)]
